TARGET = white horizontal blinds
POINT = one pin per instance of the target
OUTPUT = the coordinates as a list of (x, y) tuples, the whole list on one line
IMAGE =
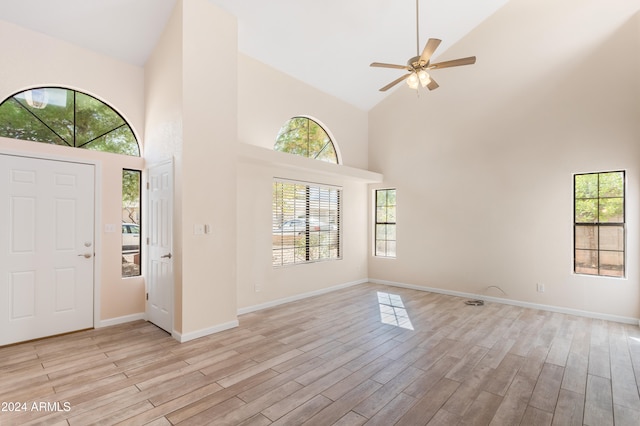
[(306, 222), (289, 207), (324, 223)]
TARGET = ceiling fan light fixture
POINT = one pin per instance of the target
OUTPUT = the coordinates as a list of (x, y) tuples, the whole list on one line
[(424, 78), (413, 81), (419, 64)]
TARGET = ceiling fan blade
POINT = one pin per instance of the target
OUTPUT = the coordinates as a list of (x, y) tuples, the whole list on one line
[(432, 85), (453, 63), (394, 82), (383, 65), (429, 48)]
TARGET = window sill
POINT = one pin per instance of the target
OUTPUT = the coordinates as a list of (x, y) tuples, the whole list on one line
[(255, 154)]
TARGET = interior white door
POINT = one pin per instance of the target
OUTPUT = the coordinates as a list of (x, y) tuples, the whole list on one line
[(46, 249), (160, 233)]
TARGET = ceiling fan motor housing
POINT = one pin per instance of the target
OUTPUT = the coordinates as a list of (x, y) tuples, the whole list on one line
[(416, 64)]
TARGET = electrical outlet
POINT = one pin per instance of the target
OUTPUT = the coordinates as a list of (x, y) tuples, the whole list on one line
[(540, 288)]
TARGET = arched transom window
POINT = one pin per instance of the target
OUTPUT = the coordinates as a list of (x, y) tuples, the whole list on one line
[(303, 136), (66, 117)]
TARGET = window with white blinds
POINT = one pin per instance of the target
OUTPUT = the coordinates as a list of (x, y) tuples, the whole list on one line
[(306, 222)]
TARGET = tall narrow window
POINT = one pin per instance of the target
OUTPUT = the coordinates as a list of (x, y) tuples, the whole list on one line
[(306, 223), (131, 223), (385, 228), (599, 224)]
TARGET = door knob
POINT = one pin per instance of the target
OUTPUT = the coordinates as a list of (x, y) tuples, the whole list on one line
[(86, 255), (166, 256)]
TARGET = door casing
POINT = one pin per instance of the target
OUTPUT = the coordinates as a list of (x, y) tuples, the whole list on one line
[(97, 206)]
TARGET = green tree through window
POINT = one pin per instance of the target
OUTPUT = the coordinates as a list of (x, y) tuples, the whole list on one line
[(303, 136), (66, 117), (385, 231), (131, 187), (599, 224)]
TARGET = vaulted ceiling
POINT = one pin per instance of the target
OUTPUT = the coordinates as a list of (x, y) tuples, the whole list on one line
[(328, 44)]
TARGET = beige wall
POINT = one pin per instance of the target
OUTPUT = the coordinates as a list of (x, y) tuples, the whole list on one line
[(32, 59), (164, 129), (209, 191), (267, 98), (483, 165), (259, 283), (191, 117)]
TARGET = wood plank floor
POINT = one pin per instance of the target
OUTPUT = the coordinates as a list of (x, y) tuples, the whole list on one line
[(331, 360)]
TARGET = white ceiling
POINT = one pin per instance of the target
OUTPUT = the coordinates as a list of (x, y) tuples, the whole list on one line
[(328, 44)]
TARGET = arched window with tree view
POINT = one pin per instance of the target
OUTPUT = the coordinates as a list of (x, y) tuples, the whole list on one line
[(66, 117), (305, 137)]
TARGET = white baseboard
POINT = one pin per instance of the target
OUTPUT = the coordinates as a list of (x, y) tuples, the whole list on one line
[(204, 332), (550, 308), (273, 303), (232, 324), (121, 320)]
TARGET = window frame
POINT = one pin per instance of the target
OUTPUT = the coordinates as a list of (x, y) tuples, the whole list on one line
[(297, 241), (377, 222), (309, 120), (139, 224), (598, 225), (73, 142)]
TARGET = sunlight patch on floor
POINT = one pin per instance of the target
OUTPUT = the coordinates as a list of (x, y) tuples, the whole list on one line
[(392, 311)]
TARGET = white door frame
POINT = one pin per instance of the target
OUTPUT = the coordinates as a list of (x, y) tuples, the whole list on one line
[(147, 231), (97, 216)]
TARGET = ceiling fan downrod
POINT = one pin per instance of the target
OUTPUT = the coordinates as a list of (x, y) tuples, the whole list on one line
[(417, 29)]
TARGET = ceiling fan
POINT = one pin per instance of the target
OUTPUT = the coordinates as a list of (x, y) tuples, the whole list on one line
[(419, 65)]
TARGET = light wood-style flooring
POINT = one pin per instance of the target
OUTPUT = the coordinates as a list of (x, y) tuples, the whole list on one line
[(329, 360)]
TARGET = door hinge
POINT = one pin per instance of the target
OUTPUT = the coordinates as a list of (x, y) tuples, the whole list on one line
[(147, 296), (147, 185), (147, 240)]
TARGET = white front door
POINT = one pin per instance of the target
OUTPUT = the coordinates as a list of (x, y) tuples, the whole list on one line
[(46, 247), (160, 237)]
